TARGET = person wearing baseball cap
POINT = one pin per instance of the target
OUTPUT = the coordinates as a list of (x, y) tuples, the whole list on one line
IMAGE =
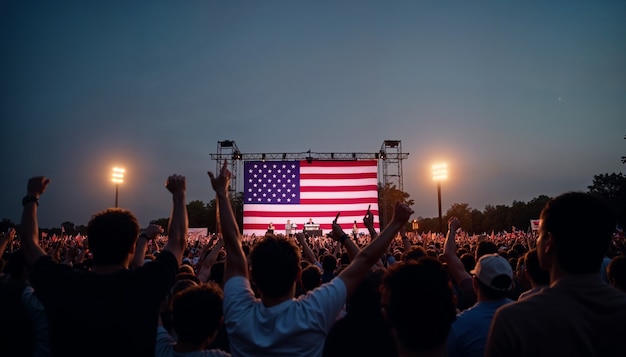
[(492, 281)]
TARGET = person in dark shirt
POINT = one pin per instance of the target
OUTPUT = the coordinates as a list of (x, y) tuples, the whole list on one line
[(109, 310)]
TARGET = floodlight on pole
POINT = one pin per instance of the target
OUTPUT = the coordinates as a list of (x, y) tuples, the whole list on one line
[(117, 177), (440, 173)]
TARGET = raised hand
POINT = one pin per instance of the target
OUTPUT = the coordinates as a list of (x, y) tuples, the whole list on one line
[(454, 224), (152, 231), (37, 185), (337, 232), (176, 184), (368, 220), (402, 213), (221, 182)]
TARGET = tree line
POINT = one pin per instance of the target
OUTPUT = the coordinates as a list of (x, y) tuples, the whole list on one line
[(610, 187)]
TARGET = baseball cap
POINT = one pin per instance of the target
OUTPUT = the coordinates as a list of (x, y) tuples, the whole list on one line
[(494, 271)]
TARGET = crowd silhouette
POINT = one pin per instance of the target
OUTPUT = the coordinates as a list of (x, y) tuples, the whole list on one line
[(158, 291)]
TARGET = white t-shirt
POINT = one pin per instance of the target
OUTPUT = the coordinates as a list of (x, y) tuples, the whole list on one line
[(165, 347), (296, 327)]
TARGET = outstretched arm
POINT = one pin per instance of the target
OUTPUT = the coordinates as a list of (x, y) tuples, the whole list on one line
[(236, 263), (30, 226), (357, 270), (178, 224), (308, 253), (455, 266)]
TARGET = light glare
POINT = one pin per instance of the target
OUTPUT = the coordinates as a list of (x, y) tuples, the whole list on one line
[(117, 176), (440, 171)]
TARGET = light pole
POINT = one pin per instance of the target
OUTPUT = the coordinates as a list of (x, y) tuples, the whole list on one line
[(440, 172), (117, 177)]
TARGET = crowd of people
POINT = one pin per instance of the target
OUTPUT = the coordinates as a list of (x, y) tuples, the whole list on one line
[(122, 290)]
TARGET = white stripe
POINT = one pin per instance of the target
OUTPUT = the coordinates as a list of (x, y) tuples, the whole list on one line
[(335, 183), (337, 170), (331, 195), (311, 208)]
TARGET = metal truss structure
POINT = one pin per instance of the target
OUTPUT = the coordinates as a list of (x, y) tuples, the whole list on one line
[(389, 158)]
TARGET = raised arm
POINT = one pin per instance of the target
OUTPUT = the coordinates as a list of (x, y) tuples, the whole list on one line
[(178, 224), (358, 268), (146, 235), (30, 226), (308, 253), (368, 220), (236, 263), (208, 260), (6, 239), (455, 266)]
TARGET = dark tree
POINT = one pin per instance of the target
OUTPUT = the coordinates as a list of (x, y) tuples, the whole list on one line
[(388, 195), (612, 188)]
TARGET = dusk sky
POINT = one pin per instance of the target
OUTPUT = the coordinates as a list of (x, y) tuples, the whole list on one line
[(520, 98)]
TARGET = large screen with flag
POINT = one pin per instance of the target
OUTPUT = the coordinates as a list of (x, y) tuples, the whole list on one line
[(299, 191)]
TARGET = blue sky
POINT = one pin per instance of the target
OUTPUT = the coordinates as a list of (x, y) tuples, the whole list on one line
[(521, 98)]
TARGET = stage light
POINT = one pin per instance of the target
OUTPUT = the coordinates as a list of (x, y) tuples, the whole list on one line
[(440, 173), (117, 177), (263, 157)]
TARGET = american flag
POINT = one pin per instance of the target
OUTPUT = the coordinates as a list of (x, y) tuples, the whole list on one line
[(277, 191)]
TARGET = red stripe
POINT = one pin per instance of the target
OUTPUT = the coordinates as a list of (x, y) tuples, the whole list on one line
[(338, 188), (338, 176), (337, 201), (326, 227), (355, 163), (307, 215)]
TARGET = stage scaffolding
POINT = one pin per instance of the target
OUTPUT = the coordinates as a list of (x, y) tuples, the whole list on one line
[(389, 158)]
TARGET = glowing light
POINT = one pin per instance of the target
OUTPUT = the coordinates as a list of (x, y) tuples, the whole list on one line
[(118, 175), (440, 171)]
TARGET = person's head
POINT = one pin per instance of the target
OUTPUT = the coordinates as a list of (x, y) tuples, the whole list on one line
[(533, 269), (468, 261), (186, 268), (485, 247), (414, 253), (217, 273), (575, 230), (197, 313), (311, 277), (419, 304), (275, 265), (616, 272), (493, 276), (329, 263), (112, 234)]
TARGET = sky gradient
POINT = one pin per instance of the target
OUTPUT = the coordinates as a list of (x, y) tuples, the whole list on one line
[(520, 98)]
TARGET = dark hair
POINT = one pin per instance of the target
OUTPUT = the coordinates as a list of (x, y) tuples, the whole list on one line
[(217, 273), (311, 277), (582, 226), (197, 312), (275, 263), (414, 253), (418, 299), (468, 261), (329, 263), (112, 234), (538, 275), (485, 247)]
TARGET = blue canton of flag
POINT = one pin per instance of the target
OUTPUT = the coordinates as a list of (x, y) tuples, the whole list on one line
[(276, 182)]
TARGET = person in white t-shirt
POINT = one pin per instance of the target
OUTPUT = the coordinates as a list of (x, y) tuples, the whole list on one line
[(277, 323)]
